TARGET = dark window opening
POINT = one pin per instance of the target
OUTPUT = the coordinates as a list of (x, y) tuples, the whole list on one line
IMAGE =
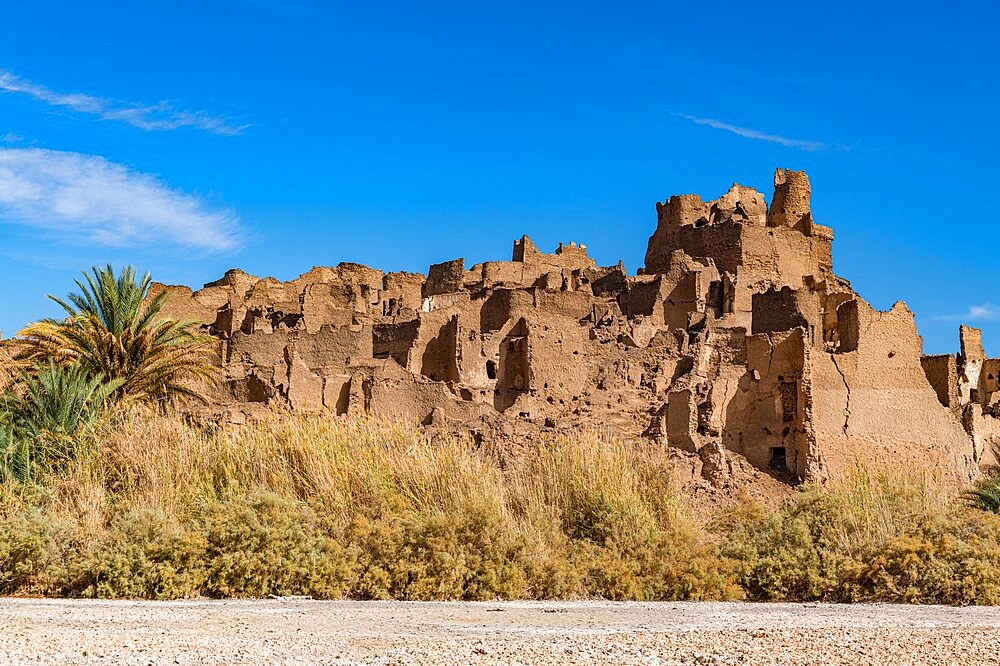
[(777, 458), (491, 369), (974, 395)]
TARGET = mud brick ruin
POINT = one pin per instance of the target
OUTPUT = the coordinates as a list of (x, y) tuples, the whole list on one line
[(735, 338)]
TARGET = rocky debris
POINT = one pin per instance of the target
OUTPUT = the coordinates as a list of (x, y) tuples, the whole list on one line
[(736, 339)]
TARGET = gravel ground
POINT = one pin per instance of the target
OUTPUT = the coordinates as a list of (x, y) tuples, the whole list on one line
[(290, 631)]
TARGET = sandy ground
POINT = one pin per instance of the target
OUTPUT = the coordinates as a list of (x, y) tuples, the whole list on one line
[(311, 632)]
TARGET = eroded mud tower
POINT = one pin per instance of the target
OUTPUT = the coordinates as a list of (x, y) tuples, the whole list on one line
[(735, 338)]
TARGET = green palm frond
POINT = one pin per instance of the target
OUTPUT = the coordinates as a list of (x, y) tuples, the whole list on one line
[(113, 330), (15, 455), (43, 416), (57, 399), (984, 495)]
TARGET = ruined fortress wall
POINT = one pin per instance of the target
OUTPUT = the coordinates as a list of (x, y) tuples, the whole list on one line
[(754, 257), (874, 404), (942, 374), (736, 339), (767, 419)]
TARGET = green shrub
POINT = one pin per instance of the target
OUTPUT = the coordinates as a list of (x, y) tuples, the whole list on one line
[(870, 539), (777, 551), (143, 554), (985, 494), (35, 549), (948, 559), (263, 544), (470, 556)]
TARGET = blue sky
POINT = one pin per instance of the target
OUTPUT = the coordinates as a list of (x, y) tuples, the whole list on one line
[(186, 138)]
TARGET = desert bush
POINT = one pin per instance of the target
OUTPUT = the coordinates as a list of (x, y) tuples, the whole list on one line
[(34, 549), (263, 544), (470, 556), (948, 559), (875, 537), (141, 554)]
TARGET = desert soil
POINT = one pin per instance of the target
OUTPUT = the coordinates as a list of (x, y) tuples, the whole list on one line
[(293, 631)]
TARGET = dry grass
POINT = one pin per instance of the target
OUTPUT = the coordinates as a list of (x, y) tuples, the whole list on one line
[(874, 506), (8, 364), (363, 508), (374, 508)]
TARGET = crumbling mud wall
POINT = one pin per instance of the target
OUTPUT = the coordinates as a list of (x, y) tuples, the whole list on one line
[(735, 340), (874, 404), (968, 385)]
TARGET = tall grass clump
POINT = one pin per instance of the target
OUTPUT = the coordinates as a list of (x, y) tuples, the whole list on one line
[(364, 508), (607, 522)]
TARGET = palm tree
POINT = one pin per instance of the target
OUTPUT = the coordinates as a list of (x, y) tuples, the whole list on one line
[(43, 416), (114, 332)]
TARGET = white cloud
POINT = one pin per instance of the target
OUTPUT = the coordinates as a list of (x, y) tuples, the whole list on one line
[(801, 144), (87, 199), (156, 117), (984, 312)]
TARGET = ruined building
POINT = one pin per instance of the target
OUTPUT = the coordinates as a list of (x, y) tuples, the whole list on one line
[(968, 385), (736, 337)]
